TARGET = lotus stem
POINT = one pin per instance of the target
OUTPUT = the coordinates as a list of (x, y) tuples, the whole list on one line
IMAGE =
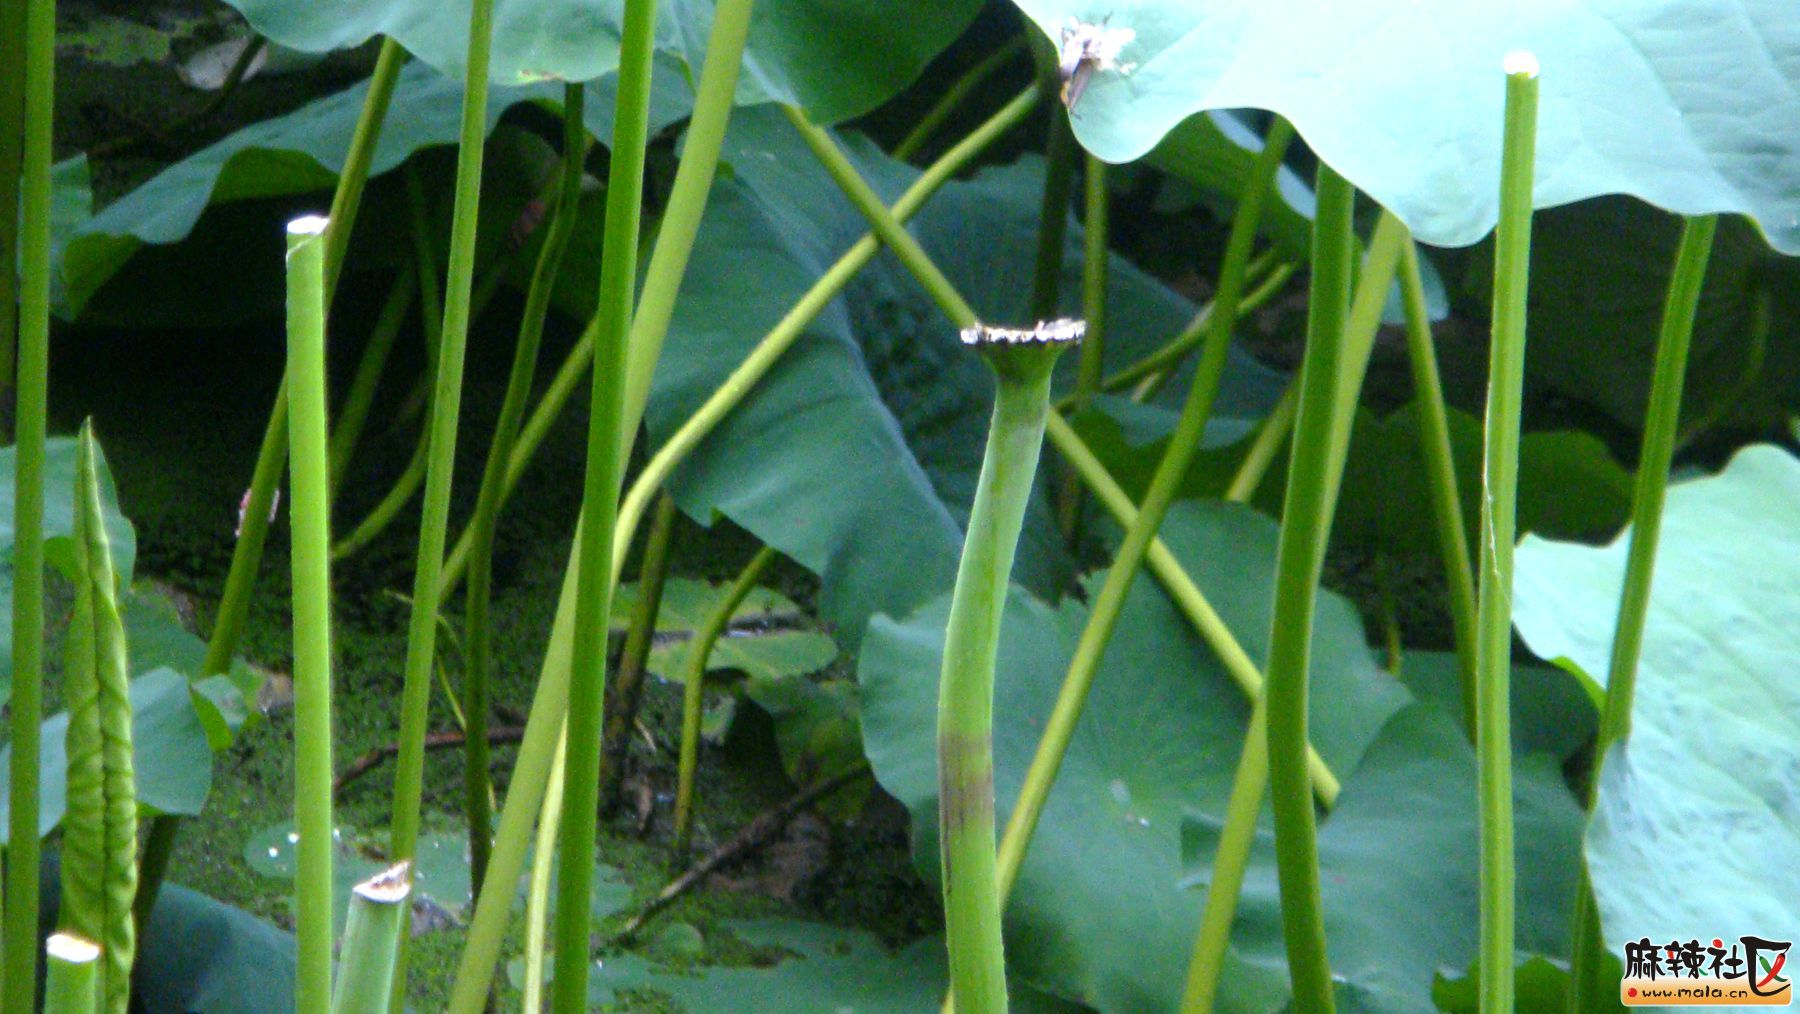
[(1252, 775), (71, 975), (1306, 519), (607, 447), (1440, 467), (627, 689), (379, 913), (537, 892), (693, 677), (99, 865), (953, 98), (1022, 362), (27, 703), (1662, 419), (312, 611), (259, 504), (369, 371), (488, 926), (1093, 311), (477, 786), (1059, 185), (12, 146), (1499, 504), (446, 407), (1270, 437)]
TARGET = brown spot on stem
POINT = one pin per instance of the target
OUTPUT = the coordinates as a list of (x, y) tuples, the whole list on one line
[(965, 788)]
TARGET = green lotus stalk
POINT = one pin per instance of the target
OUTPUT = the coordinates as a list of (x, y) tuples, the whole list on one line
[(1440, 467), (1662, 421), (1022, 362), (1059, 184), (693, 676), (1499, 504), (954, 98), (1270, 437), (71, 974), (1148, 375), (537, 891), (1306, 520), (12, 149), (388, 508), (1093, 311), (607, 446), (488, 926), (446, 403), (477, 786), (27, 703), (1229, 863), (378, 913), (626, 690), (369, 371), (99, 859), (311, 513), (1253, 771), (259, 504)]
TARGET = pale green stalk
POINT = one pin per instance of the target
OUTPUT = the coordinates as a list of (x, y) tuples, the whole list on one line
[(954, 97), (246, 554), (71, 974), (99, 859), (310, 515), (446, 406), (477, 786), (380, 911), (1022, 367), (1440, 468), (627, 689), (12, 147), (607, 447), (537, 896), (1499, 504), (693, 675), (1252, 776), (1662, 421), (488, 925), (1305, 524), (27, 703), (1270, 437), (1158, 364), (1093, 311), (369, 371)]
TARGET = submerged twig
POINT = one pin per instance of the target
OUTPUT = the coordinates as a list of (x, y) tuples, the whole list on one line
[(760, 831)]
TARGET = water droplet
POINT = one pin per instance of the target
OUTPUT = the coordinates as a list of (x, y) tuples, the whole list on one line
[(1143, 821), (274, 853), (293, 837), (1121, 793)]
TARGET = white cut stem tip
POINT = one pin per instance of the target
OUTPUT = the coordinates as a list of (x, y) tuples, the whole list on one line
[(390, 886), (1049, 332), (1520, 61), (308, 225), (71, 948)]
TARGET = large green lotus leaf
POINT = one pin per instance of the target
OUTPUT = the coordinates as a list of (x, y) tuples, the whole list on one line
[(301, 153), (171, 757), (857, 455), (1690, 106), (810, 967), (834, 58), (202, 956), (1551, 711), (767, 638), (1098, 915), (1694, 807), (1397, 865)]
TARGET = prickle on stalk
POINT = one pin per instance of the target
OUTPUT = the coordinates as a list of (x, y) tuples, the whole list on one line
[(1022, 360)]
